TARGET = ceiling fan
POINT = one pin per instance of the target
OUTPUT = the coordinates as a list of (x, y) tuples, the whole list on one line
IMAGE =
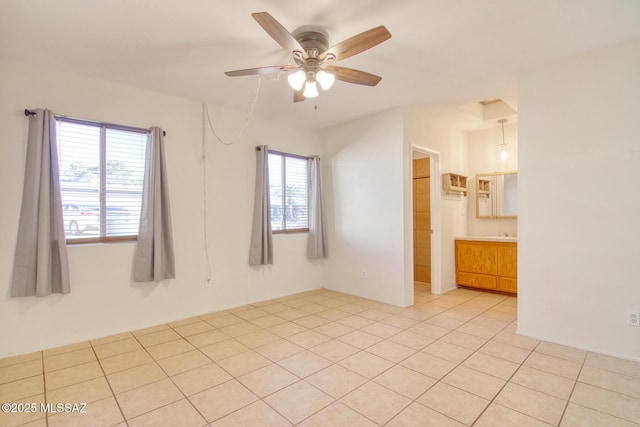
[(312, 56)]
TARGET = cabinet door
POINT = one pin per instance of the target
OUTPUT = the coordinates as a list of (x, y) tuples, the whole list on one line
[(508, 261), (476, 257)]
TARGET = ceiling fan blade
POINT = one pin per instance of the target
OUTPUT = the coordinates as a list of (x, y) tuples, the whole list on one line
[(260, 70), (278, 32), (298, 96), (358, 77), (356, 44)]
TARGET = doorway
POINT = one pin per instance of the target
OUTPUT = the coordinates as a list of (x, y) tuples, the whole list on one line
[(426, 219)]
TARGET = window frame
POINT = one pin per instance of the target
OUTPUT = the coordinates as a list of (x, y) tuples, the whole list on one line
[(103, 181), (295, 156)]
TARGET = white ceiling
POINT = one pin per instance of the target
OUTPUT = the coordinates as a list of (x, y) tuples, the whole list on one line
[(441, 51)]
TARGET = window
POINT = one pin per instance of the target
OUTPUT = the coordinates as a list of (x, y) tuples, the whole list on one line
[(101, 178), (288, 192)]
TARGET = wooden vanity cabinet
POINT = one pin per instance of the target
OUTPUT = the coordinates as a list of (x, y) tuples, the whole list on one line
[(487, 265)]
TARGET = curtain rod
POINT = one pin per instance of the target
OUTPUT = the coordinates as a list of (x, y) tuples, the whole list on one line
[(28, 113)]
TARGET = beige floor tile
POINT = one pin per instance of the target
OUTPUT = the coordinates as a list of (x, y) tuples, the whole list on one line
[(304, 363), (168, 349), (478, 383), (508, 337), (505, 351), (292, 314), (366, 364), (429, 365), (255, 414), (125, 361), (497, 415), (455, 403), (337, 414), (111, 338), (336, 381), (158, 337), (135, 377), (183, 362), (207, 338), (193, 328), (224, 349), (223, 399), (177, 414), (257, 339), (447, 351), (18, 418), (104, 412), (376, 402), (308, 339), (117, 347), (491, 365), (355, 321), (313, 308), (391, 351), (243, 363), (88, 391), (251, 314), (561, 351), (183, 322), (311, 321), (553, 365), (609, 402), (336, 314), (274, 307), (419, 415), (200, 379), (149, 330), (532, 403), (267, 380), (334, 350), (21, 358), (279, 350), (239, 329), (360, 339), (148, 398), (75, 374), (66, 360), (477, 330), (461, 339), (408, 383), (66, 348), (375, 315), (15, 391), (612, 381), (298, 401), (579, 416), (412, 340), (224, 320), (20, 371), (286, 329), (400, 322), (446, 321), (267, 321), (333, 329), (381, 330), (613, 364), (545, 382)]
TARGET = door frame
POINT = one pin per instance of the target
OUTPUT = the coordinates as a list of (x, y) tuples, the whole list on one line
[(436, 246)]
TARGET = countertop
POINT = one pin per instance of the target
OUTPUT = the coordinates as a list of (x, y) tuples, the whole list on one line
[(489, 238)]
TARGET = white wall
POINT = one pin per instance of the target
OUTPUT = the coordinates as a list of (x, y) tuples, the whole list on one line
[(441, 129), (484, 158), (103, 300), (363, 187), (579, 182)]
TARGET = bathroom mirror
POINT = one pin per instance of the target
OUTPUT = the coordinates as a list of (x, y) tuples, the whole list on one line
[(497, 195)]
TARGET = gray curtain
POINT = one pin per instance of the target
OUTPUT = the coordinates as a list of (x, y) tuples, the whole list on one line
[(154, 259), (40, 266), (261, 251), (317, 243)]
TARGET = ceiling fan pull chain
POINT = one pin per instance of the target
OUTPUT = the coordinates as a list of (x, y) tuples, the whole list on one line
[(246, 122)]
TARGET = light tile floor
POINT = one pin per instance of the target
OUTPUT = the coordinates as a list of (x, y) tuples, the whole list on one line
[(322, 358)]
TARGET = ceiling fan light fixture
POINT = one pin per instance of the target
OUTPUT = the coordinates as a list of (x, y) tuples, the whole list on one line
[(296, 80), (325, 79), (310, 90)]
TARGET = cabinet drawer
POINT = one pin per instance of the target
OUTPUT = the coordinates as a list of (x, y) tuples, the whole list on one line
[(476, 280), (507, 284)]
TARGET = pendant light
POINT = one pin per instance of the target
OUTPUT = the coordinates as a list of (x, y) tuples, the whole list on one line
[(503, 148)]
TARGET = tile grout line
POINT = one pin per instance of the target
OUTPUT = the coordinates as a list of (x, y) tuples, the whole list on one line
[(108, 383)]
